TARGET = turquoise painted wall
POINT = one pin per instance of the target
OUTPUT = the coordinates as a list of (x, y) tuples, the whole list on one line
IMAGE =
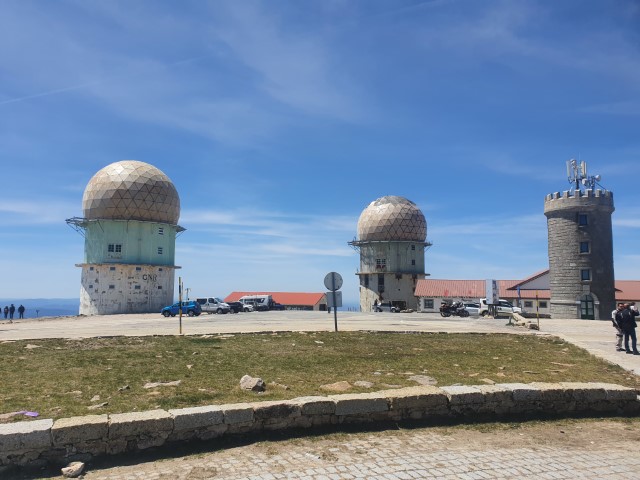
[(139, 242)]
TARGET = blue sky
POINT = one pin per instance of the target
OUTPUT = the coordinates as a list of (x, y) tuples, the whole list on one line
[(280, 121)]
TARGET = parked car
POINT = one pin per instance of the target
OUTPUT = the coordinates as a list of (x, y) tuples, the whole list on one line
[(502, 307), (240, 307), (385, 307), (213, 305), (189, 308), (472, 308), (248, 307), (277, 306)]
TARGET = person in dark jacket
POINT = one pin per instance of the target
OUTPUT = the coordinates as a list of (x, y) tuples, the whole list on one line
[(21, 311), (6, 311), (12, 310), (627, 322)]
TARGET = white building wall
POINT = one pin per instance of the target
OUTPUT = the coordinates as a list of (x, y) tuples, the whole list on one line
[(432, 304), (122, 288)]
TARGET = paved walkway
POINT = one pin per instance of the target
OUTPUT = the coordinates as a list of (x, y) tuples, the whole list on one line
[(586, 449)]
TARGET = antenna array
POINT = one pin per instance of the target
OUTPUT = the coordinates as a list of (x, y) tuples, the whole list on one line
[(577, 175)]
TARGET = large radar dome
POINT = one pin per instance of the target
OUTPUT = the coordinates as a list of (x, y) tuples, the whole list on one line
[(392, 218), (131, 190)]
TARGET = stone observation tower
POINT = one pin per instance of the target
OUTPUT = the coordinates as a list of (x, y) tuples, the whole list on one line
[(581, 248), (131, 211), (392, 234)]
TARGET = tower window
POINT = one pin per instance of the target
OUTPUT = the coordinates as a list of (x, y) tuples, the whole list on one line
[(91, 269), (160, 230), (138, 269), (584, 247), (112, 268), (136, 287), (413, 262), (583, 219), (159, 250), (112, 287), (380, 281), (366, 281), (585, 274), (159, 269), (413, 247), (90, 287), (159, 287), (381, 263), (114, 248)]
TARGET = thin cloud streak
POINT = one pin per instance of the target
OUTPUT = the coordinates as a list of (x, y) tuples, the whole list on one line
[(13, 213)]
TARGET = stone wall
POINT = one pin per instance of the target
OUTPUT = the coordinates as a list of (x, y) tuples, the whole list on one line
[(565, 259), (113, 288), (81, 438)]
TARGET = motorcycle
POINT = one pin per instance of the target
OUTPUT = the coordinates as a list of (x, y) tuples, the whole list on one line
[(455, 308)]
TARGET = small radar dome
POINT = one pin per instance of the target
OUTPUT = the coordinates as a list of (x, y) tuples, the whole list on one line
[(392, 218), (131, 190)]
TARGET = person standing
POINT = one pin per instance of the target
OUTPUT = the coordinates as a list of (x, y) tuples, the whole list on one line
[(12, 310), (626, 320), (21, 310), (6, 311), (619, 333)]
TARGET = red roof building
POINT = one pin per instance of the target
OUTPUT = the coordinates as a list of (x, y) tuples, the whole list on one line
[(532, 294), (291, 300)]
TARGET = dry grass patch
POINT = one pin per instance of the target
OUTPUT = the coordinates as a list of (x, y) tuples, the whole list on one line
[(62, 378)]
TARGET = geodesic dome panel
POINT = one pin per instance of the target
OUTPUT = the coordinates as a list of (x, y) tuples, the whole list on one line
[(131, 190), (392, 218)]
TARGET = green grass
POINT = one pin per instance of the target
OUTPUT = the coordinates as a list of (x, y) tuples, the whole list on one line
[(61, 377)]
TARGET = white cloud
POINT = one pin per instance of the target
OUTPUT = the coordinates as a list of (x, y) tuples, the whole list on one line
[(295, 65), (626, 222), (44, 211), (626, 108)]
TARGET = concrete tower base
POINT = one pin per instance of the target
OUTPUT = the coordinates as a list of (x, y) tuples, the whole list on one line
[(111, 288)]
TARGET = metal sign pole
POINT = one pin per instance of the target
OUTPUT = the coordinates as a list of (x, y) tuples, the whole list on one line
[(538, 310), (335, 308), (180, 304), (333, 282)]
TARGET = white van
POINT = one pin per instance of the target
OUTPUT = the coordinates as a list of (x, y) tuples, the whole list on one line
[(261, 303), (502, 307), (213, 305)]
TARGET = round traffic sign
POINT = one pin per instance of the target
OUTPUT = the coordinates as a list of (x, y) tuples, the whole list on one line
[(333, 281)]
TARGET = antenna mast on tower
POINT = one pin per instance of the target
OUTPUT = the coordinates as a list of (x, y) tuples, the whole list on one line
[(577, 175)]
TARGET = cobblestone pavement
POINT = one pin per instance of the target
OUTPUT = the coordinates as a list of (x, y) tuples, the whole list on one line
[(593, 449)]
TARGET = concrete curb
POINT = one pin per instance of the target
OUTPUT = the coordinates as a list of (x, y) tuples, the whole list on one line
[(81, 438)]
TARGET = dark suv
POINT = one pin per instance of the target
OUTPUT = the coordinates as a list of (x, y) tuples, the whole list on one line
[(238, 307), (189, 308)]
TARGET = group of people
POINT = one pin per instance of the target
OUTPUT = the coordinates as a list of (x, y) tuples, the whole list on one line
[(624, 321), (9, 311)]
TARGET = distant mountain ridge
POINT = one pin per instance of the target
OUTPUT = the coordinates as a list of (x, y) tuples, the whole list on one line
[(42, 307)]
